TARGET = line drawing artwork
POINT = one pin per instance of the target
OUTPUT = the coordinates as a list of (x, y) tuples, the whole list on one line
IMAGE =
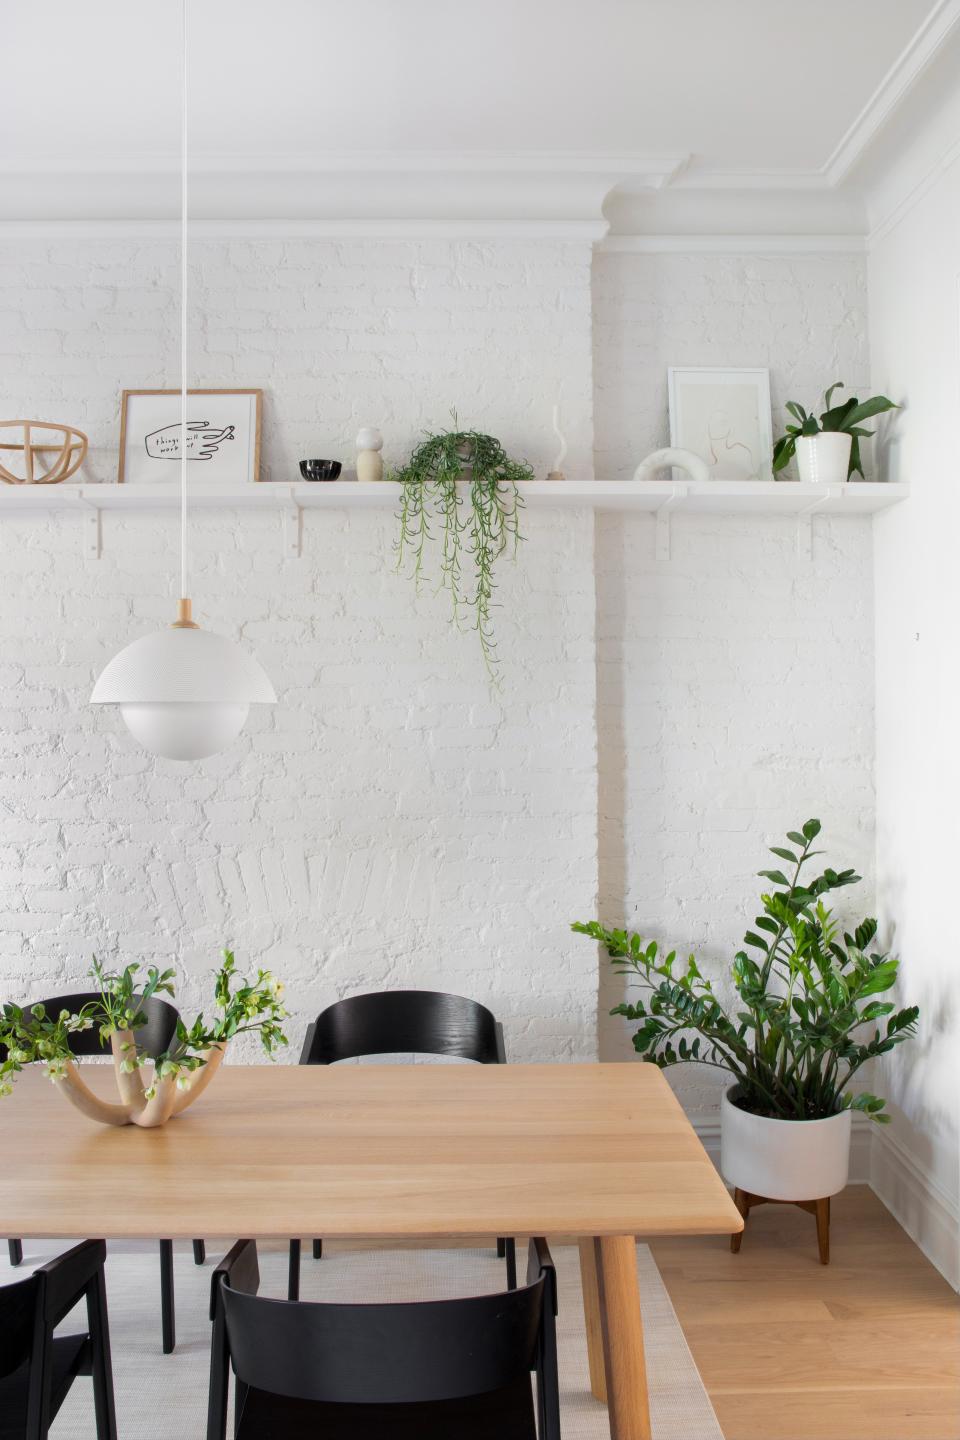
[(203, 440), (720, 427)]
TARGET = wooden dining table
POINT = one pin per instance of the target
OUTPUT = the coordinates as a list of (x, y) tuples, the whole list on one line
[(600, 1152)]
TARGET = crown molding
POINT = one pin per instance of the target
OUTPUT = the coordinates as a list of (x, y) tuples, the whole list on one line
[(932, 35), (920, 187), (731, 244), (585, 231), (650, 170), (522, 193)]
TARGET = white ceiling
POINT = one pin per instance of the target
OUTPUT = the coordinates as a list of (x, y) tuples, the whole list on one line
[(720, 90), (739, 84)]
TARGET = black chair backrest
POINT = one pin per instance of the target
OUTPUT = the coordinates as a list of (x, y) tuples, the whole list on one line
[(421, 1022), (382, 1354), (18, 1309), (155, 1037)]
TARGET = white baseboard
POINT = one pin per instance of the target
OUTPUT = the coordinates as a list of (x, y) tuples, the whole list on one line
[(928, 1214), (708, 1131)]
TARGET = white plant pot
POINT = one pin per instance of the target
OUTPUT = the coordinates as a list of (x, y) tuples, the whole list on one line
[(784, 1159), (825, 458)]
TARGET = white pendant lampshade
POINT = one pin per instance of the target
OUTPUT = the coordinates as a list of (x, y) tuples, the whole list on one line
[(183, 692)]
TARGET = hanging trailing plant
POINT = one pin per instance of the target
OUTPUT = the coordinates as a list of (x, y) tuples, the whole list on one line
[(441, 473)]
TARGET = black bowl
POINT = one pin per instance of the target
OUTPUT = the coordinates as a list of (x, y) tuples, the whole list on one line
[(320, 469)]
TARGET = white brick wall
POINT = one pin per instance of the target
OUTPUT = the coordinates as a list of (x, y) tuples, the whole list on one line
[(803, 316), (388, 824), (338, 333), (735, 682), (391, 823)]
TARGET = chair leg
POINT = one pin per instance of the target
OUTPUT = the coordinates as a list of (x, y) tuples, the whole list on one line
[(199, 1252), (167, 1319), (15, 1251), (501, 1248), (293, 1271), (318, 1249), (510, 1249), (101, 1366)]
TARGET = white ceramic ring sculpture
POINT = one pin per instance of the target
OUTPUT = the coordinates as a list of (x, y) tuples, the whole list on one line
[(695, 466)]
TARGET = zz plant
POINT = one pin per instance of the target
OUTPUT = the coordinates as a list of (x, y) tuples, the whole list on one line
[(846, 417), (30, 1036), (807, 997), (472, 536)]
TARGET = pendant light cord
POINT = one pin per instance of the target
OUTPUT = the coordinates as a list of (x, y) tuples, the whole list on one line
[(183, 300)]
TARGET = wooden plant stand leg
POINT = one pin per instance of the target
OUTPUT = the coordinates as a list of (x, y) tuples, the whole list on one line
[(745, 1202), (615, 1259)]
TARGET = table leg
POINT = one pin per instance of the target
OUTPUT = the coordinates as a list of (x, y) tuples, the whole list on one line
[(591, 1319), (615, 1262)]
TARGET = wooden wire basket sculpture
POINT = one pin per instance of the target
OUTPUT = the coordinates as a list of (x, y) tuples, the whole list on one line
[(46, 459)]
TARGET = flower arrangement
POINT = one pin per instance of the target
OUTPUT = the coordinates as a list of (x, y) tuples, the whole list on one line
[(179, 1075)]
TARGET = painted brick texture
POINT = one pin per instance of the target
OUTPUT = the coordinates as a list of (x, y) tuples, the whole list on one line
[(735, 682), (392, 822)]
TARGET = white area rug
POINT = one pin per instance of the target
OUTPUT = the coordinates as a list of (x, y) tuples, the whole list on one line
[(163, 1396)]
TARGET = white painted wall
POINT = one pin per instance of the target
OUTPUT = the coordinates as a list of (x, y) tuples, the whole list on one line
[(735, 681), (391, 822), (915, 333)]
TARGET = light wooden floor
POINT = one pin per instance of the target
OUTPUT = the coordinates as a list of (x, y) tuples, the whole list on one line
[(867, 1348)]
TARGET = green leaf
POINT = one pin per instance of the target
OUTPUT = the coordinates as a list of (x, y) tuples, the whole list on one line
[(783, 854), (797, 411), (836, 419), (878, 405), (777, 876), (811, 829)]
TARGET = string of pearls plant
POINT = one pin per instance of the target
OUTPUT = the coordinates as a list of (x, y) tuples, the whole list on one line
[(432, 491), (148, 1097)]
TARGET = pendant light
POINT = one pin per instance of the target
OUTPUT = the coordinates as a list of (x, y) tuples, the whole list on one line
[(184, 693)]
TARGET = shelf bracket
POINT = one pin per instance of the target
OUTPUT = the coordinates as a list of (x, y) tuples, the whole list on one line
[(662, 516), (92, 529), (292, 517), (805, 520)]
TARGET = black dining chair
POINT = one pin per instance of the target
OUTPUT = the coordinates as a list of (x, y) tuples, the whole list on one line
[(426, 1370), (38, 1367), (403, 1022), (154, 1037)]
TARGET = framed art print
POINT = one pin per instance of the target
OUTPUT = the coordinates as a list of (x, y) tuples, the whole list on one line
[(223, 435), (724, 416)]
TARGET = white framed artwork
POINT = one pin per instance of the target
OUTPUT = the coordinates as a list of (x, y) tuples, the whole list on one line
[(724, 416), (223, 435)]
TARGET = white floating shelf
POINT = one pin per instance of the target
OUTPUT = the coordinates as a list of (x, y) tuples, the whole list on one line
[(717, 497)]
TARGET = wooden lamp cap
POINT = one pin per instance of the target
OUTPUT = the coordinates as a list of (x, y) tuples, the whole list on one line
[(184, 620)]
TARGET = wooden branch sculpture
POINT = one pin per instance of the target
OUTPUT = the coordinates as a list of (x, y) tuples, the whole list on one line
[(180, 1074)]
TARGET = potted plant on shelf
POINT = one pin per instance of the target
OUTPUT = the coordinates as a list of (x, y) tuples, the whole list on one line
[(29, 1036), (800, 1032), (433, 485), (828, 449)]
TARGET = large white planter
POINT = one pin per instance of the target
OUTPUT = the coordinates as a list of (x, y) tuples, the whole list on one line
[(825, 458), (784, 1159)]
